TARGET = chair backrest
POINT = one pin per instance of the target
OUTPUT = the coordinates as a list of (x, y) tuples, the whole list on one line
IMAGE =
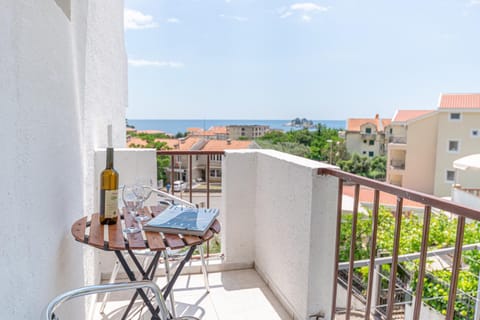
[(48, 313), (167, 198)]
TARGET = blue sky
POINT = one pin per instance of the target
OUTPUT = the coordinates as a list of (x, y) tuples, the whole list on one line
[(329, 60)]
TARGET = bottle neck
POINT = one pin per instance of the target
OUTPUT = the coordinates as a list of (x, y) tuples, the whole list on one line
[(109, 158)]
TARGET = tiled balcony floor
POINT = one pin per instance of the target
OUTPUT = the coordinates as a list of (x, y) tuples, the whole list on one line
[(240, 294)]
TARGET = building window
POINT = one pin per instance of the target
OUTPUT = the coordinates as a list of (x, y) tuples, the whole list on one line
[(475, 133), (455, 116), (216, 157), (371, 153), (453, 146), (364, 141), (391, 130), (450, 176), (215, 173), (371, 142), (368, 130)]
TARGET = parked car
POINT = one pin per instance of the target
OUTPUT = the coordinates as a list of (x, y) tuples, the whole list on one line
[(179, 185)]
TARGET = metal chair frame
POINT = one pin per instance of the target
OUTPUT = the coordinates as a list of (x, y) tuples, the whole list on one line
[(167, 254), (48, 312)]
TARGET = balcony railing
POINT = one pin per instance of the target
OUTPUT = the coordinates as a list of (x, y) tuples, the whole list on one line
[(206, 164), (399, 140), (401, 194), (397, 164)]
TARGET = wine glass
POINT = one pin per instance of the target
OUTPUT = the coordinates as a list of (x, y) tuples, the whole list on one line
[(132, 203), (141, 192)]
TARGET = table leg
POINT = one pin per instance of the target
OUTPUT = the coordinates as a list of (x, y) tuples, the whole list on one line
[(131, 276)]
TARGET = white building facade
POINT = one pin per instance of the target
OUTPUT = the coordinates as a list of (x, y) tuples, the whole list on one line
[(63, 79)]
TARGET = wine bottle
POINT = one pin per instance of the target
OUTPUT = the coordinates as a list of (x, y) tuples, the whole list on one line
[(109, 187)]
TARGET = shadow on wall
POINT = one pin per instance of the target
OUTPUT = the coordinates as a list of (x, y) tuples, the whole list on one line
[(65, 5)]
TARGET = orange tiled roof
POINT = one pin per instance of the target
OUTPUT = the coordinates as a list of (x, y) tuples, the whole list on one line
[(176, 144), (354, 124), (218, 130), (220, 145), (386, 199), (194, 130), (136, 141), (407, 115), (460, 101)]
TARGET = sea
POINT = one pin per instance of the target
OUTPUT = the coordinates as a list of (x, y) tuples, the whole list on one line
[(181, 125)]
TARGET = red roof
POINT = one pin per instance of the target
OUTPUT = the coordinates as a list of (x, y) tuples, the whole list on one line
[(386, 199), (218, 130), (355, 124), (460, 101), (220, 145), (407, 115)]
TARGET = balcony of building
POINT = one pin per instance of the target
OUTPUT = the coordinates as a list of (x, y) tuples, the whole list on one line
[(395, 140), (64, 80), (279, 259)]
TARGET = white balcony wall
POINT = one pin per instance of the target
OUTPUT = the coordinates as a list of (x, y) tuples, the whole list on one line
[(280, 215), (465, 198), (62, 79)]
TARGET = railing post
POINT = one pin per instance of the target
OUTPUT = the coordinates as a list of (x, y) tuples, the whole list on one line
[(190, 180), (393, 269), (372, 288), (457, 255), (337, 248), (352, 251), (423, 262)]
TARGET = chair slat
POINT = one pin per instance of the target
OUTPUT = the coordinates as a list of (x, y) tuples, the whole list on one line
[(96, 238), (215, 227), (78, 229), (208, 235), (115, 236), (135, 240), (174, 241), (192, 240)]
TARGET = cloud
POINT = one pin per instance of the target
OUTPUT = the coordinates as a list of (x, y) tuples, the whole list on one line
[(305, 10), (173, 20), (308, 6), (286, 14), (472, 3), (306, 18), (236, 18), (154, 63), (134, 19)]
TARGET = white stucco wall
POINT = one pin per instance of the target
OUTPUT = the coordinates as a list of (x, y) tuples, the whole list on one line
[(62, 79), (279, 214)]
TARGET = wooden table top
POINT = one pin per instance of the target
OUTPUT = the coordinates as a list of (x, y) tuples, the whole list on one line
[(88, 230)]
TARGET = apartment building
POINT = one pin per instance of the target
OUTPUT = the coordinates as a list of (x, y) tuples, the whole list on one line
[(214, 133), (458, 136), (366, 136), (412, 149), (425, 143), (246, 131)]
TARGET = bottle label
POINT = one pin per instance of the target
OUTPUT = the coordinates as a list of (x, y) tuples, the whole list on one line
[(111, 203)]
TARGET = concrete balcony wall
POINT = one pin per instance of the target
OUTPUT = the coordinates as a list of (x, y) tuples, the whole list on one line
[(465, 198), (280, 215)]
